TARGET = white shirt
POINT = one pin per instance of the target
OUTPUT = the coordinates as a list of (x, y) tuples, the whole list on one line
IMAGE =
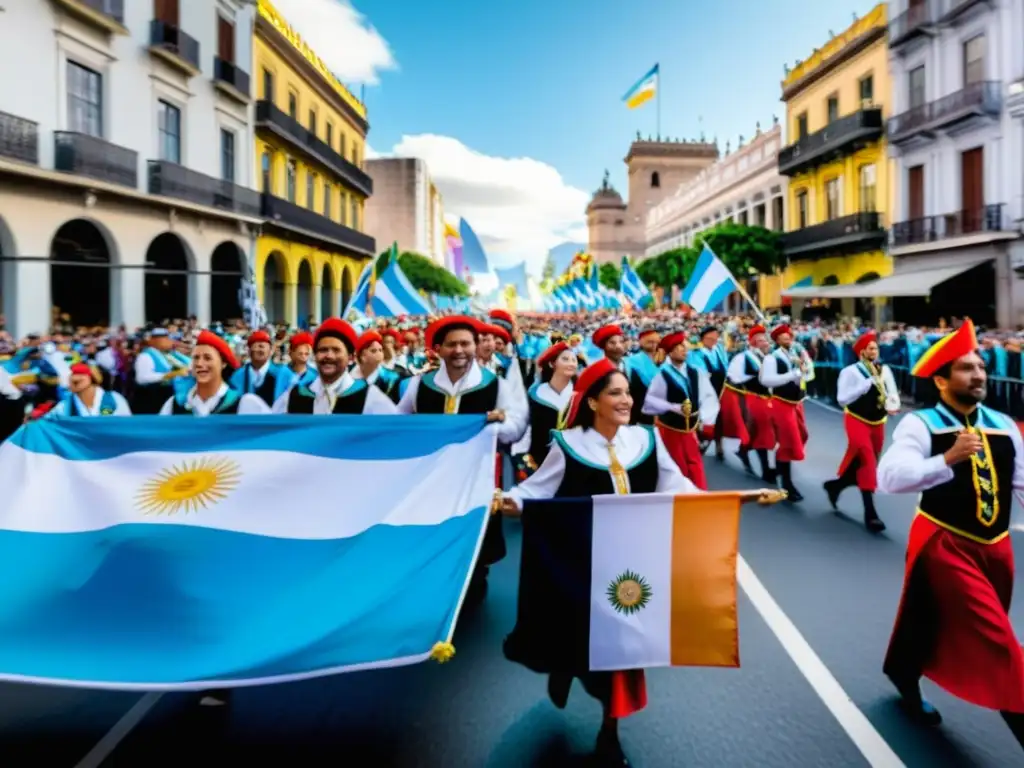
[(107, 359), (7, 388), (770, 376), (248, 405), (546, 394), (737, 371), (256, 375), (630, 444), (853, 384), (325, 396), (121, 407), (145, 369), (516, 413), (657, 403)]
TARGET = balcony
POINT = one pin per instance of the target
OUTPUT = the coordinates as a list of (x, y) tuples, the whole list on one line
[(270, 118), (954, 10), (173, 46), (916, 21), (230, 80), (105, 15), (278, 211), (855, 233), (19, 139), (94, 158), (954, 113), (172, 180), (988, 220), (838, 139)]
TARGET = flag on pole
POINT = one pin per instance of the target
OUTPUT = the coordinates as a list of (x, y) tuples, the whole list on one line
[(710, 284), (628, 582), (632, 287), (645, 89)]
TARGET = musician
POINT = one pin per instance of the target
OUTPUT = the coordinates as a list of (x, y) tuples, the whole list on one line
[(261, 376), (155, 372), (743, 379), (867, 391), (783, 372), (711, 357)]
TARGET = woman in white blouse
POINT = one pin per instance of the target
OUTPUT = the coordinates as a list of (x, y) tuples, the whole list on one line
[(213, 362), (549, 400)]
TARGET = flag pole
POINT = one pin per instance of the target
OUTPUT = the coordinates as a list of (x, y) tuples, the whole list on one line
[(743, 292), (657, 96)]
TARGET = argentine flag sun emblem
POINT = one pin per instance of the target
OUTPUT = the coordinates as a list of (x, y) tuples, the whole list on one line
[(189, 486)]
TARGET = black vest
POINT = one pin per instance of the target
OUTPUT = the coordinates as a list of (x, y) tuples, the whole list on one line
[(716, 369), (753, 385), (791, 391), (582, 479), (676, 394), (869, 407), (638, 391), (482, 398), (227, 406), (389, 383), (976, 503), (301, 399), (267, 389), (544, 419)]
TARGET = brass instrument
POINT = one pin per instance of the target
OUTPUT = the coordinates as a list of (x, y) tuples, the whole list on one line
[(875, 371)]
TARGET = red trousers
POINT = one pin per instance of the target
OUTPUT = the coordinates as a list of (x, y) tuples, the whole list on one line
[(953, 624), (730, 416), (863, 445), (790, 430), (684, 448), (762, 429)]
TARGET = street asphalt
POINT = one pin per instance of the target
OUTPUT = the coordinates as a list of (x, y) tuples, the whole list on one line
[(836, 583)]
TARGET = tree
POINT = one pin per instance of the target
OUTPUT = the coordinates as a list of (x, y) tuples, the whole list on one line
[(548, 273), (610, 276), (426, 275)]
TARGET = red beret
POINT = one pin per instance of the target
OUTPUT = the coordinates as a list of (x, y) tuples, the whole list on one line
[(442, 325), (337, 328), (672, 341), (779, 330), (502, 316), (300, 338), (961, 342), (392, 333), (862, 342), (496, 330), (647, 332), (590, 376), (84, 369), (551, 354), (606, 333), (757, 330), (208, 339), (257, 336), (367, 339)]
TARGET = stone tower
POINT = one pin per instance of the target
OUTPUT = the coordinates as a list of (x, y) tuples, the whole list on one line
[(656, 169)]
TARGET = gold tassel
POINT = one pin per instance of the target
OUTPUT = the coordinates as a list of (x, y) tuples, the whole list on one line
[(442, 652)]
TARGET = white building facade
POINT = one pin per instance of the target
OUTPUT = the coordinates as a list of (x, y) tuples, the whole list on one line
[(744, 186), (406, 207), (126, 160), (958, 138)]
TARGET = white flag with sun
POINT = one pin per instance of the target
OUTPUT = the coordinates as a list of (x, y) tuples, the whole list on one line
[(159, 554)]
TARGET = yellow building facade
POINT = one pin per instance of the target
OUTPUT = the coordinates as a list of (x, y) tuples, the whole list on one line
[(840, 177), (310, 152)]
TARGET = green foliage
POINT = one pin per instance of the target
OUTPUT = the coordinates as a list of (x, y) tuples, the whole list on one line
[(743, 249), (548, 272), (610, 276), (425, 274)]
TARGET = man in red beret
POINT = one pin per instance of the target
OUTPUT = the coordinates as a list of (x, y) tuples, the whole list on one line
[(87, 397), (684, 405), (967, 462), (756, 431), (642, 368), (300, 349), (335, 390), (261, 376), (783, 372), (369, 366), (213, 362), (867, 391), (711, 356), (611, 340), (507, 322)]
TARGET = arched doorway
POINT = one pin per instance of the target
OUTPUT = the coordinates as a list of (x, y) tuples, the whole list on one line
[(274, 273), (80, 260), (167, 273), (327, 292), (830, 280), (865, 307), (346, 288), (304, 294), (227, 268)]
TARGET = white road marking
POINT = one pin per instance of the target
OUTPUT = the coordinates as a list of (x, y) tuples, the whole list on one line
[(869, 741), (129, 720), (820, 404)]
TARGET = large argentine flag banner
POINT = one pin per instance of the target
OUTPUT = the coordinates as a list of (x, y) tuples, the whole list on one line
[(168, 554), (628, 582)]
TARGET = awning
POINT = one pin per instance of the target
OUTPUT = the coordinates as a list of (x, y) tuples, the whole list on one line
[(917, 283)]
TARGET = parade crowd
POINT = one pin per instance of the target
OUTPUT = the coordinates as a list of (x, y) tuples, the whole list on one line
[(597, 404)]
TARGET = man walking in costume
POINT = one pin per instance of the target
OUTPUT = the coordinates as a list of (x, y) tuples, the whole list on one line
[(783, 373), (743, 377)]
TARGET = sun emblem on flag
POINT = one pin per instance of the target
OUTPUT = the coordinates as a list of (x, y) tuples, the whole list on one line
[(189, 487), (629, 593)]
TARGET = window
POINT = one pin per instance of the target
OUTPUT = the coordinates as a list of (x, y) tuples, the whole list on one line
[(169, 125), (833, 203), (310, 190), (225, 40), (85, 100), (290, 180), (166, 11), (868, 187), (355, 155), (341, 149), (974, 60), (867, 91), (744, 220), (801, 126), (329, 136), (268, 85), (801, 209), (832, 108), (227, 155), (328, 201), (655, 180), (760, 215), (312, 121), (354, 215), (778, 214), (915, 83), (265, 173), (293, 105)]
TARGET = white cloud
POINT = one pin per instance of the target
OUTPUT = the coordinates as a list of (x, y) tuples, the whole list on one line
[(519, 207), (350, 46)]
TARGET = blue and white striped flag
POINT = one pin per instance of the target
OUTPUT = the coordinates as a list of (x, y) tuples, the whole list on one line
[(710, 284), (180, 554), (394, 295), (632, 287)]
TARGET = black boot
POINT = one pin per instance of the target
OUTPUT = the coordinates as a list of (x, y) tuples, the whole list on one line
[(558, 689), (1016, 723), (719, 453), (832, 489), (785, 470), (871, 519), (915, 705), (608, 751), (768, 474), (743, 454)]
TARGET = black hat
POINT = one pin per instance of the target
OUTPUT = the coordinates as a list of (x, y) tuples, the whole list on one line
[(707, 329)]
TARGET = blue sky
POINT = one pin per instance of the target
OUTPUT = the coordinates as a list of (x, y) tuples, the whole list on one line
[(543, 79)]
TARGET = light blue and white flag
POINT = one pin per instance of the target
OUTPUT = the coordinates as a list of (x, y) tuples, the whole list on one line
[(633, 288), (394, 295), (710, 284), (185, 554)]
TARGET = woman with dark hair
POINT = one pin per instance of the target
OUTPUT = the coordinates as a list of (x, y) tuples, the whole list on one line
[(549, 400), (599, 453), (213, 364)]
